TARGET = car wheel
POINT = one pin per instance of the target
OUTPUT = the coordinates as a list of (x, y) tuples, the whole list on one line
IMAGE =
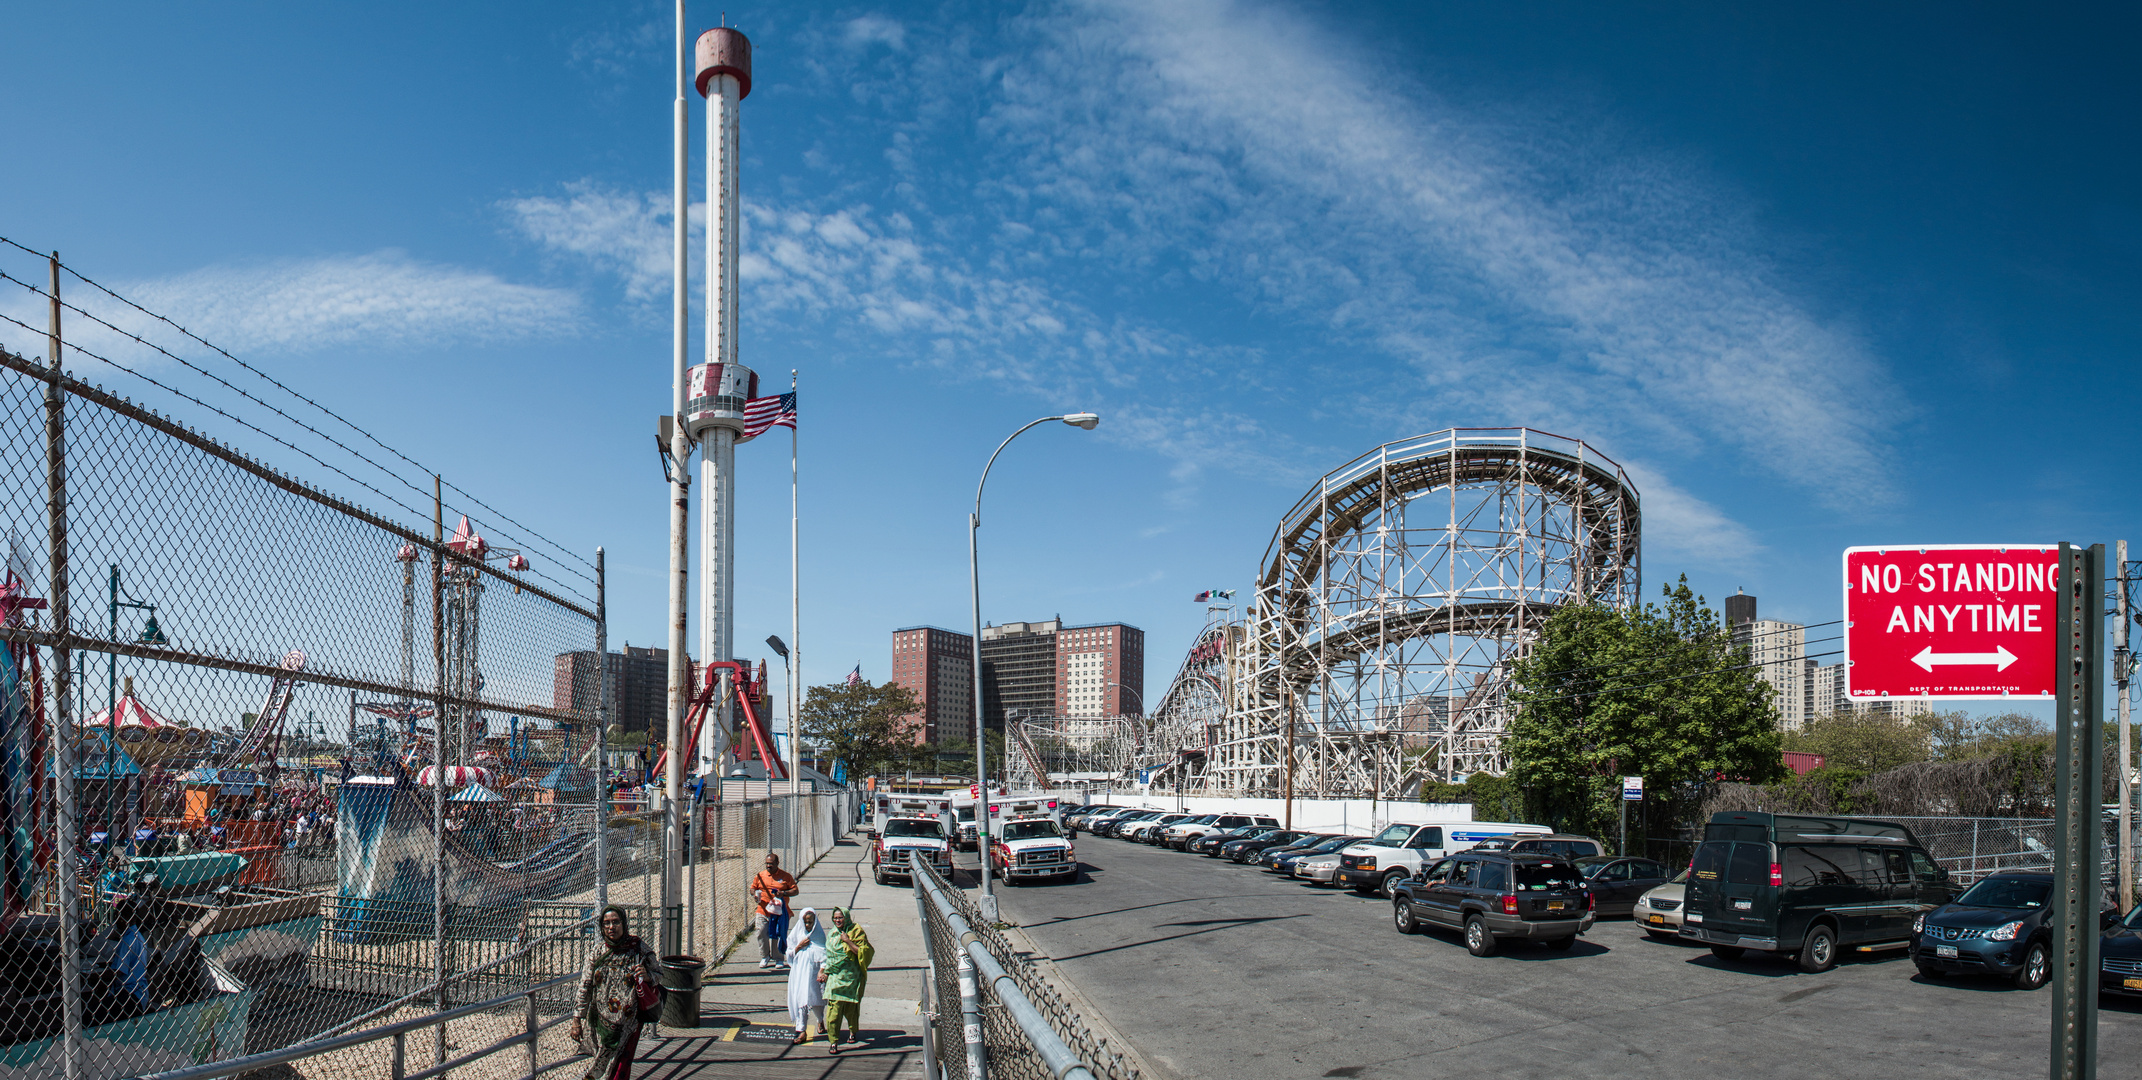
[(2037, 967), (1928, 971), (1820, 951), (877, 874), (1727, 952), (1478, 941), (1561, 942), (1402, 916), (1390, 882)]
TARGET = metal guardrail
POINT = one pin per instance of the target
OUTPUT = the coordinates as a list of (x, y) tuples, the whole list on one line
[(1057, 1057), (399, 1032)]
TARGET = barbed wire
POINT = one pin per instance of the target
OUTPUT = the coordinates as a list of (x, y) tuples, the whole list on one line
[(558, 548), (419, 514)]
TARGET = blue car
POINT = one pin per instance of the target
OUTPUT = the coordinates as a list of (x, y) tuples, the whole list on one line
[(1997, 927)]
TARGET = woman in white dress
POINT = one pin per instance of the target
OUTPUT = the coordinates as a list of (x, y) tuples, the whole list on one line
[(806, 955)]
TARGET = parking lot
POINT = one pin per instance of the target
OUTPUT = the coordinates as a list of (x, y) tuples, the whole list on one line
[(1218, 970)]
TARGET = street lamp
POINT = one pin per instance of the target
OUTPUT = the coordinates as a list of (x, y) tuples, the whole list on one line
[(780, 648), (1085, 421), (151, 634)]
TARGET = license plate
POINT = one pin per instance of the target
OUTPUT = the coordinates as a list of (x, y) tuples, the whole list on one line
[(1945, 951), (1657, 920), (1743, 905), (1554, 905), (2131, 984)]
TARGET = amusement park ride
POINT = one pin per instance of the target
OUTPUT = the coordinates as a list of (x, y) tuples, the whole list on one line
[(1392, 600)]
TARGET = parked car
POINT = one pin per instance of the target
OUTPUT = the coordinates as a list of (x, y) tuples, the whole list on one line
[(1317, 867), (1113, 826), (1143, 830), (1282, 862), (1182, 832), (1166, 835), (1086, 817), (1268, 858), (1491, 896), (1567, 845), (1999, 926), (1208, 845), (1616, 883), (1660, 909), (1249, 848), (2119, 956), (1805, 887)]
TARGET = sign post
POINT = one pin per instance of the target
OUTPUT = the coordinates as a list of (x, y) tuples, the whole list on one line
[(1632, 790), (2002, 622)]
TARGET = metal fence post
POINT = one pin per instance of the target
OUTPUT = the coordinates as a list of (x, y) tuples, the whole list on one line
[(929, 983), (2078, 829), (439, 721), (602, 738), (399, 1066), (62, 698), (970, 1018), (533, 1063)]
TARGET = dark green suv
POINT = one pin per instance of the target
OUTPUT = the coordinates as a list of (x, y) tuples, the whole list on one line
[(1807, 887)]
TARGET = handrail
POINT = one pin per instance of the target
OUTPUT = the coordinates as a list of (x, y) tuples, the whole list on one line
[(1063, 1062), (405, 999), (394, 1030)]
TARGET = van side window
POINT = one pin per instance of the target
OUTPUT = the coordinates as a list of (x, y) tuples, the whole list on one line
[(1825, 865), (1711, 859), (1491, 876), (1751, 865), (1898, 866), (1427, 839)]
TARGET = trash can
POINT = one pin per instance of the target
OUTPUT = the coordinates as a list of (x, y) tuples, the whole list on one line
[(680, 978)]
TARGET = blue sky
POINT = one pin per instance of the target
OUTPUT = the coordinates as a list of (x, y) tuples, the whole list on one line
[(1823, 276)]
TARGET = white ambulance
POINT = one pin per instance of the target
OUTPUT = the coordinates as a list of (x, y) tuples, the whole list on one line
[(1028, 847), (886, 805)]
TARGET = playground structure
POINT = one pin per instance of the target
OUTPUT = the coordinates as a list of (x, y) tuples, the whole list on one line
[(1390, 604)]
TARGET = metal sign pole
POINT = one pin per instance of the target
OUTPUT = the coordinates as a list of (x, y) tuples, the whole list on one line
[(2078, 832)]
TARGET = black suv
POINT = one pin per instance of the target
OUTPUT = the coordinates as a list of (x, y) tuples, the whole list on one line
[(1492, 895)]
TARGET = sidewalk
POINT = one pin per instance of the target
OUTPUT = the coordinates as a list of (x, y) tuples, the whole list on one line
[(744, 1026)]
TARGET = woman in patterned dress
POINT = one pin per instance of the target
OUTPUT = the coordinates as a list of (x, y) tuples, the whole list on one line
[(846, 971), (616, 984)]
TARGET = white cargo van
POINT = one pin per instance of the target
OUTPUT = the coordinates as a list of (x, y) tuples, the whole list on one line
[(1401, 850)]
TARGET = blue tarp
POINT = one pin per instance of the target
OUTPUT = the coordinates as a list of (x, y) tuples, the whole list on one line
[(477, 793), (567, 777), (93, 761)]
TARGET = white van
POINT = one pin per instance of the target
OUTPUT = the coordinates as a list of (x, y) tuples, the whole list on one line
[(887, 805), (1401, 850)]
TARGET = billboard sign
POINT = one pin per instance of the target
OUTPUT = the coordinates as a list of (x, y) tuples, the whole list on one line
[(1955, 621)]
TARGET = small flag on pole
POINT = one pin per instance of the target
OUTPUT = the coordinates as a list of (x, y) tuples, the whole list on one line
[(772, 411), (1213, 594), (855, 678)]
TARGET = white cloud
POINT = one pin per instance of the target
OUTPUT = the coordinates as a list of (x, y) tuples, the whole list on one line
[(304, 304), (875, 30), (1677, 524), (618, 232)]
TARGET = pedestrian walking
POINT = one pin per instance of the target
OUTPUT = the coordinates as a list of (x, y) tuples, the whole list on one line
[(615, 985), (770, 890), (806, 957), (847, 969)]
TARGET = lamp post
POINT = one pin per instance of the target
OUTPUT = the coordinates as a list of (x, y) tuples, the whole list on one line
[(788, 679), (151, 634), (1085, 421)]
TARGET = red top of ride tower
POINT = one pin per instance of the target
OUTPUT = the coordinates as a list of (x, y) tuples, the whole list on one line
[(724, 50)]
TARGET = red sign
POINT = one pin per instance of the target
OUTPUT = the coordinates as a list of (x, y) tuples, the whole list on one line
[(1951, 621)]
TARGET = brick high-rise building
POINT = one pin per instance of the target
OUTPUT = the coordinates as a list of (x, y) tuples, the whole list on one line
[(937, 666), (1100, 670), (639, 686), (1019, 670)]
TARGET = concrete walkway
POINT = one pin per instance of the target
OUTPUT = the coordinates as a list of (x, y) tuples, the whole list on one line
[(744, 1028)]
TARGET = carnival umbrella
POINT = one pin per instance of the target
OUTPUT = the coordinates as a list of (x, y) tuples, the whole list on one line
[(477, 793), (456, 775)]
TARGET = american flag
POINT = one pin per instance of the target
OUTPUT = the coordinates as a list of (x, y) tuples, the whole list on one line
[(762, 413)]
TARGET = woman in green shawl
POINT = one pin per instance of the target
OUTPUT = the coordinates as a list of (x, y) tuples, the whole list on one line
[(616, 984), (847, 968)]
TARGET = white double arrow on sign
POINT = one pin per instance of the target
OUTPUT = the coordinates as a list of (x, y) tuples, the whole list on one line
[(2000, 658)]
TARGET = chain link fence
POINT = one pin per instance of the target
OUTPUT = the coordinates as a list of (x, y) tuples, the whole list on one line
[(1008, 1048)]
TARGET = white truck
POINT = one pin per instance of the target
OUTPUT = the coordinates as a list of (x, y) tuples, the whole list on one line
[(904, 841), (1024, 848), (886, 805), (1401, 850)]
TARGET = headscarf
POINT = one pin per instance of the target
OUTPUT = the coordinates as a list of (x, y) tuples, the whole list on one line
[(625, 941), (858, 942), (799, 938)]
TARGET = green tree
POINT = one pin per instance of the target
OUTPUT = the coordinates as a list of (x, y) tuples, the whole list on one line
[(868, 725), (1659, 691), (1864, 742)]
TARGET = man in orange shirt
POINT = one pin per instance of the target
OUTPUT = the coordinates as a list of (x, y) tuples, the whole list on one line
[(770, 890)]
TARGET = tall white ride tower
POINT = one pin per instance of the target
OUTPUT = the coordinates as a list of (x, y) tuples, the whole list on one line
[(717, 389)]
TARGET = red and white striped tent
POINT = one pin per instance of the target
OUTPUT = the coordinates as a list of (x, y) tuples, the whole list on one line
[(456, 775), (132, 713)]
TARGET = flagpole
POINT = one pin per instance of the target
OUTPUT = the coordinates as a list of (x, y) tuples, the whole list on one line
[(795, 638)]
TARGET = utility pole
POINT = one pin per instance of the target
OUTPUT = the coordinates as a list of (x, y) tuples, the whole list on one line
[(2123, 664)]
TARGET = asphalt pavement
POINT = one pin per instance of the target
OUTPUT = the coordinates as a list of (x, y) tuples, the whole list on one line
[(1218, 970)]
